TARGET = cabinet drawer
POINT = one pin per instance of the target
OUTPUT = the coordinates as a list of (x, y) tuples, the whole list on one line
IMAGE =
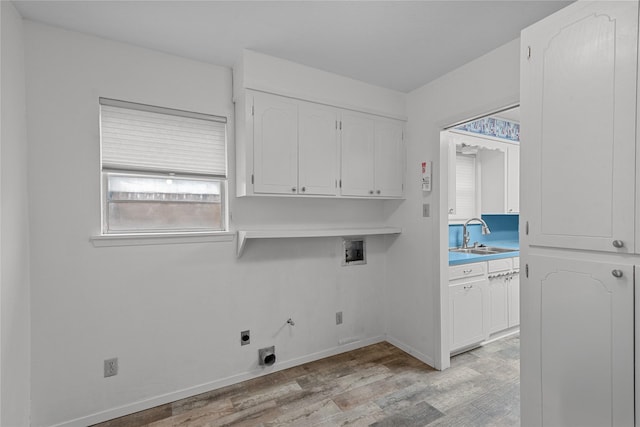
[(499, 265), (516, 262), (467, 270)]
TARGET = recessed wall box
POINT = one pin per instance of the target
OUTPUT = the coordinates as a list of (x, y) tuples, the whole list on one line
[(354, 251)]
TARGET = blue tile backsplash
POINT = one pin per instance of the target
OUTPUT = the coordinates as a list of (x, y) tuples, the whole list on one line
[(503, 228)]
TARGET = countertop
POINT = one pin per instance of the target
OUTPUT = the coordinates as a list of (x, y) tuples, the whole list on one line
[(457, 258)]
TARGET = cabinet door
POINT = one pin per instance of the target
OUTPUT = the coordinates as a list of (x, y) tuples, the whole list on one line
[(492, 164), (578, 343), (514, 299), (468, 308), (357, 155), (578, 98), (513, 179), (317, 149), (275, 144), (499, 297), (389, 158)]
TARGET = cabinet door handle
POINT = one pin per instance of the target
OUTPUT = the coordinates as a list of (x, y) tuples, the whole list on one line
[(468, 287), (378, 192), (304, 189), (370, 191), (618, 244), (617, 273), (293, 189), (466, 271), (451, 210)]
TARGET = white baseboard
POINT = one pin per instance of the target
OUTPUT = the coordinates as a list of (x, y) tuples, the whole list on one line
[(412, 351), (142, 405)]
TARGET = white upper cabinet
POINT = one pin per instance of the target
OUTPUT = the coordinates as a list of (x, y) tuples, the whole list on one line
[(275, 144), (357, 154), (389, 158), (372, 156), (317, 149), (293, 147), (578, 92), (484, 176)]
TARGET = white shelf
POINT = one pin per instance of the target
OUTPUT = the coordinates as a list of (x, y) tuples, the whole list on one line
[(244, 235)]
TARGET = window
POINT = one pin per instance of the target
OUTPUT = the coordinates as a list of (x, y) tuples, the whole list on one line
[(163, 170), (466, 185)]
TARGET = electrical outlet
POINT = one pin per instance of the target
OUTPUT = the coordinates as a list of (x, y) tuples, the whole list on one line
[(339, 318), (245, 337), (111, 367)]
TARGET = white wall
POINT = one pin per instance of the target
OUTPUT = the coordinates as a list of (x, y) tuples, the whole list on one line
[(14, 230), (172, 314), (418, 255), (267, 73)]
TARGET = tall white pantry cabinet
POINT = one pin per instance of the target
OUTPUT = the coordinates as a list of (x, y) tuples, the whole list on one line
[(578, 229)]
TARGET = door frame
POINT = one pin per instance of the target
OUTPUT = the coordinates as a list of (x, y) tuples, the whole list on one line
[(443, 348)]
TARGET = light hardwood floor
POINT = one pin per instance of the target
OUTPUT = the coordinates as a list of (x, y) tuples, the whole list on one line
[(378, 385)]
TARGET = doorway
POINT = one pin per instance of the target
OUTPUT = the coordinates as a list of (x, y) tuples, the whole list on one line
[(480, 285)]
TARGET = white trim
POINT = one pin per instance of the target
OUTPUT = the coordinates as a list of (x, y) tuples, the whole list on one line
[(213, 385), (506, 333), (160, 110), (105, 240)]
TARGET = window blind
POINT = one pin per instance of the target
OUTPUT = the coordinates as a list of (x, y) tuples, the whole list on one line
[(465, 185), (147, 138)]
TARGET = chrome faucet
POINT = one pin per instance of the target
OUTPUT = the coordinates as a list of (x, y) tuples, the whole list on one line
[(465, 233)]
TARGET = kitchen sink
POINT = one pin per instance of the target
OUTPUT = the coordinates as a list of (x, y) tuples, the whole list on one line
[(483, 250)]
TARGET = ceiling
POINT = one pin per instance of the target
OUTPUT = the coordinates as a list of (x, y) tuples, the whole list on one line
[(399, 45)]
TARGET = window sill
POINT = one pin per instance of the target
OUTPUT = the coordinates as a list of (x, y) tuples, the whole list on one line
[(159, 239)]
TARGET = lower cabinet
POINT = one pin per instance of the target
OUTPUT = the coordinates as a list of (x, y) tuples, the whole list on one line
[(504, 291), (484, 299), (468, 302), (499, 296)]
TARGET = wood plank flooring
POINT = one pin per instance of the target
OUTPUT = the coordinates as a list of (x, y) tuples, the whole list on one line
[(378, 385)]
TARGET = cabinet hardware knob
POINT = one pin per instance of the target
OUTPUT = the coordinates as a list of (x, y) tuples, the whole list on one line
[(468, 287), (618, 244), (451, 210), (370, 191), (378, 192), (617, 273), (466, 271), (304, 189), (510, 210), (293, 189)]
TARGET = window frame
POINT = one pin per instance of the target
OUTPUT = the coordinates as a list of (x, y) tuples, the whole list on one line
[(105, 173), (156, 236)]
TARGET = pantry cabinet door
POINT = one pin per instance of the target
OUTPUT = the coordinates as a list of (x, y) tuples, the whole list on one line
[(357, 155), (578, 95), (318, 150), (275, 144), (579, 343)]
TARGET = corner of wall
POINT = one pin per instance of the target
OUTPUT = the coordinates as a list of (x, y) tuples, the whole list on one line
[(15, 308)]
